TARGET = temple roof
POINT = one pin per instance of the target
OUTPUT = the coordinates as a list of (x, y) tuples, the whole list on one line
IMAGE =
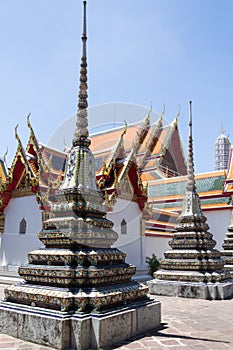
[(229, 174), (106, 140), (44, 168), (209, 185), (3, 170), (166, 196)]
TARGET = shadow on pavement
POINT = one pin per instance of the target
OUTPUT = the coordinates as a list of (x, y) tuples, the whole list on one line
[(158, 333)]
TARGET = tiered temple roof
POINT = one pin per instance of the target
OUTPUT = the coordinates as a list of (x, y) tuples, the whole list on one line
[(126, 164)]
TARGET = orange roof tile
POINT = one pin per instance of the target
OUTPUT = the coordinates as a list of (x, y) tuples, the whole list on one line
[(33, 166), (161, 141), (106, 140)]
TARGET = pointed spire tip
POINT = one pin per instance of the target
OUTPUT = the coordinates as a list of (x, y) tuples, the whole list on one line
[(81, 132)]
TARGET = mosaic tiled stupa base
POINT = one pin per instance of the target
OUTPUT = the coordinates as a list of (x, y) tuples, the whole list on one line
[(192, 268), (78, 291), (227, 253)]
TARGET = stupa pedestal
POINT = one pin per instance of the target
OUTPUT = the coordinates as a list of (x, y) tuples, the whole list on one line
[(78, 292), (63, 330), (192, 268)]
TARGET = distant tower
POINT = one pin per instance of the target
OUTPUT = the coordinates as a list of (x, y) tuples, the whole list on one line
[(222, 149)]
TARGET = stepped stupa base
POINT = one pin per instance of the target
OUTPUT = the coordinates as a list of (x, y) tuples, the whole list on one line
[(230, 269), (195, 290), (63, 330)]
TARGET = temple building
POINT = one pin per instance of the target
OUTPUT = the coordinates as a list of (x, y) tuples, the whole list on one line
[(127, 157), (141, 169)]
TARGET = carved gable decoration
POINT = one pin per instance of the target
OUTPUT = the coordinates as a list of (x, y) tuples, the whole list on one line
[(125, 189), (23, 187)]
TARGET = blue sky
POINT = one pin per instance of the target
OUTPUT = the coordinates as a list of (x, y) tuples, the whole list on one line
[(164, 51)]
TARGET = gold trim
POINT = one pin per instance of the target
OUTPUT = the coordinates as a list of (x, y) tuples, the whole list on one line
[(2, 223), (22, 192)]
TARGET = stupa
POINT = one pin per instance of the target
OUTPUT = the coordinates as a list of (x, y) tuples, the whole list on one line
[(227, 252), (78, 292), (192, 268)]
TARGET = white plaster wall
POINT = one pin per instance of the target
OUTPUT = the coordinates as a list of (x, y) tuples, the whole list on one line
[(131, 243), (14, 246), (134, 252), (157, 246), (218, 222)]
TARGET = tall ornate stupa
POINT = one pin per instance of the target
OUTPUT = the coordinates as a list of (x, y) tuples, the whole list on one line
[(227, 252), (192, 268), (78, 292)]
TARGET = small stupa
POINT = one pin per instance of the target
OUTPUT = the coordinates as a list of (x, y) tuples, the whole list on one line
[(192, 268), (78, 292), (227, 252)]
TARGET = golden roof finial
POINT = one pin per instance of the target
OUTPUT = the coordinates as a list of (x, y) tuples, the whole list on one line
[(125, 129), (16, 133), (178, 114), (163, 112), (126, 126), (28, 121), (5, 154), (149, 113)]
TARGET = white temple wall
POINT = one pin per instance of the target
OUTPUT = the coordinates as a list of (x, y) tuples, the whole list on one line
[(157, 246), (14, 246), (218, 221), (132, 243)]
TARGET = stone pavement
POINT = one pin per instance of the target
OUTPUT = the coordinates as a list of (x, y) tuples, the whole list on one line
[(186, 324)]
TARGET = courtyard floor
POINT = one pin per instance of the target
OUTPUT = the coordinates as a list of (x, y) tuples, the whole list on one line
[(186, 324)]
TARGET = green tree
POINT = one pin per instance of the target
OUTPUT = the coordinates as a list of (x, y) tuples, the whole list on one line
[(153, 264)]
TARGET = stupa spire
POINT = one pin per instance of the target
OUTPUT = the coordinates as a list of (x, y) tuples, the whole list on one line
[(81, 133), (191, 202), (191, 185)]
